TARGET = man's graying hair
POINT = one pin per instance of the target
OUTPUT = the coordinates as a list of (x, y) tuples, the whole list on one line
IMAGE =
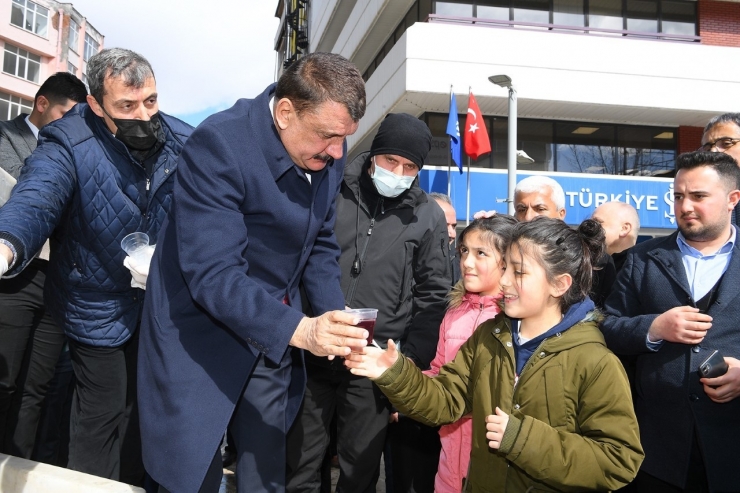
[(115, 62), (724, 118), (320, 77), (440, 197)]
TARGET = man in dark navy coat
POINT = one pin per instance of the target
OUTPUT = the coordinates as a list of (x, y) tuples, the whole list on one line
[(251, 226), (675, 301)]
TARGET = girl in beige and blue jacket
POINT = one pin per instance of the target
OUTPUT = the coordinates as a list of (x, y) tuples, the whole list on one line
[(551, 405)]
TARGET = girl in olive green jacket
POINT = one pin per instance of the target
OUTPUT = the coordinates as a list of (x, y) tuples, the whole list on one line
[(551, 405)]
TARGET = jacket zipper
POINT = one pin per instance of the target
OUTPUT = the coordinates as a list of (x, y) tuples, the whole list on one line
[(353, 284), (527, 364)]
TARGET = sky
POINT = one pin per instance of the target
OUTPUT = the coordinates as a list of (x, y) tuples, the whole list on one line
[(205, 55)]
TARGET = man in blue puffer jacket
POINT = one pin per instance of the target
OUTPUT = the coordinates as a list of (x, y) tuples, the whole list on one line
[(103, 171)]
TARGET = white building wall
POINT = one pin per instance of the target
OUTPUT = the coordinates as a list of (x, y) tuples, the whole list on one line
[(557, 75)]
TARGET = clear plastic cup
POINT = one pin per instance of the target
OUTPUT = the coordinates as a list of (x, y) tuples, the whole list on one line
[(366, 319), (135, 245)]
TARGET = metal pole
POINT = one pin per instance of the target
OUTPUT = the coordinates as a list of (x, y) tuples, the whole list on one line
[(449, 157), (511, 168), (467, 211)]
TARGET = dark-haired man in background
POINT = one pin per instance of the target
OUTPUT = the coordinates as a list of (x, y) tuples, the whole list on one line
[(675, 301), (251, 225), (30, 340)]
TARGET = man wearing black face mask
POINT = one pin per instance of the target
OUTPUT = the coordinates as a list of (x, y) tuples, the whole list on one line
[(103, 171)]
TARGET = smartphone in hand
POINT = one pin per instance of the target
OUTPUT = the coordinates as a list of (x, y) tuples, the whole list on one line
[(714, 366)]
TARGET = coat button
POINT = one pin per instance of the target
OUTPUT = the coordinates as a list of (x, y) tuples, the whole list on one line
[(508, 344), (542, 354), (166, 171), (693, 397), (516, 406), (496, 331), (696, 349)]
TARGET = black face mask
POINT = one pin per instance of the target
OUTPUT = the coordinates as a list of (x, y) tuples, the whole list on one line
[(138, 135)]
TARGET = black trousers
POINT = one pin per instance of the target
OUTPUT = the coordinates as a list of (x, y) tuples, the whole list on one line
[(30, 345), (415, 452), (696, 477), (362, 420), (52, 437), (104, 424)]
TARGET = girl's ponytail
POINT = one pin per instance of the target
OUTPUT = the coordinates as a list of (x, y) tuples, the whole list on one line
[(563, 250)]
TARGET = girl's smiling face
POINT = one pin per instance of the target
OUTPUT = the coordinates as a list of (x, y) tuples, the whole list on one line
[(481, 265), (528, 295)]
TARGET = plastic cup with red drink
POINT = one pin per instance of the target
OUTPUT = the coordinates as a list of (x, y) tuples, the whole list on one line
[(366, 319)]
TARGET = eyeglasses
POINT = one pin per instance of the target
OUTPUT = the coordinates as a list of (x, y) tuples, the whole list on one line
[(721, 144)]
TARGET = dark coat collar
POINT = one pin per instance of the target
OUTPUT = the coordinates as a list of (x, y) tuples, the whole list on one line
[(268, 139)]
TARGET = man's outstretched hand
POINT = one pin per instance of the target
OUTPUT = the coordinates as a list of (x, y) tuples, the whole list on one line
[(331, 334)]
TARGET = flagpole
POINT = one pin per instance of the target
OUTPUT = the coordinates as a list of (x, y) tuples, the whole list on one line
[(467, 217), (468, 213), (449, 160)]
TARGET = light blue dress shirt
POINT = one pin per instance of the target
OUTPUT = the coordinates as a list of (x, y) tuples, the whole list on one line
[(702, 271)]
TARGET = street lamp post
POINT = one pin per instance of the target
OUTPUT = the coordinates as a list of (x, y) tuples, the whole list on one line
[(505, 81)]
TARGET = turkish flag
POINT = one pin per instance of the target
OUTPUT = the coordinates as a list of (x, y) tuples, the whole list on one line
[(477, 142)]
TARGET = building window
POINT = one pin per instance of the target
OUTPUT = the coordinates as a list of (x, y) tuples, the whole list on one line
[(71, 68), (532, 11), (676, 17), (12, 106), (91, 47), (453, 9), (573, 147), (29, 16), (21, 63), (605, 14), (73, 40)]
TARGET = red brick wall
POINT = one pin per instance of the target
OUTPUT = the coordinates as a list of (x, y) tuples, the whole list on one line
[(689, 138), (719, 23)]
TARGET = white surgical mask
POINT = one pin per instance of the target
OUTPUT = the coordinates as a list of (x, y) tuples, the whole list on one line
[(390, 184)]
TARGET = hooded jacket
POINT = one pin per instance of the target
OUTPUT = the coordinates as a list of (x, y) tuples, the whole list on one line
[(394, 258), (83, 185), (571, 422), (467, 311)]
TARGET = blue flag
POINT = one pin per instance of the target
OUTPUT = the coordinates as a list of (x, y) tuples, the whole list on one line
[(453, 130)]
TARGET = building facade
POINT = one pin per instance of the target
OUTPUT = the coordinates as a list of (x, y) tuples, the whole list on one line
[(37, 39), (609, 91)]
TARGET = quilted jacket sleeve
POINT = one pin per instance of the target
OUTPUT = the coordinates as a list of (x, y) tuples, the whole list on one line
[(44, 188)]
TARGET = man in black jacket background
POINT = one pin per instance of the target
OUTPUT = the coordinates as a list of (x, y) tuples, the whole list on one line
[(394, 258)]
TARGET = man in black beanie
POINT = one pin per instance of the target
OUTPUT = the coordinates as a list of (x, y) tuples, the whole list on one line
[(394, 258)]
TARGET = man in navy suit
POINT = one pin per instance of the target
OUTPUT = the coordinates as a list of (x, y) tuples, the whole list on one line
[(251, 227), (676, 300)]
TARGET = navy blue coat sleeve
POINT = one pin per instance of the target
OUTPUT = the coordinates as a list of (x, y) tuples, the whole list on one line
[(46, 184), (211, 189), (628, 321)]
